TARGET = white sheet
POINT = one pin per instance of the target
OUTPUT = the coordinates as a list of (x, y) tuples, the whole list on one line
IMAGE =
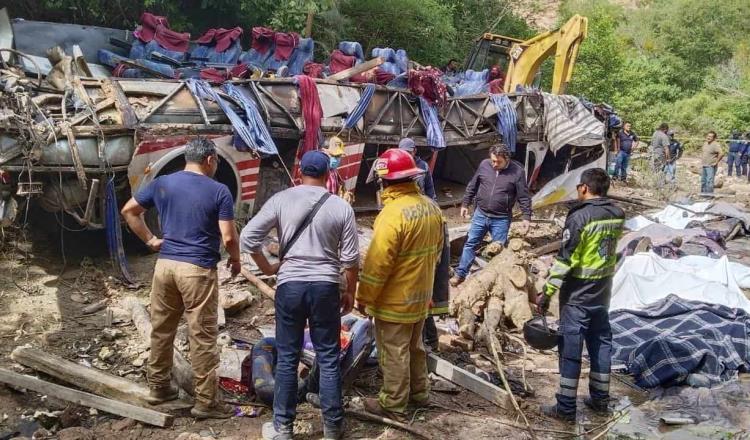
[(645, 278)]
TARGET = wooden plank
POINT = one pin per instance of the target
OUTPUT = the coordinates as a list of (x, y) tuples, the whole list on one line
[(359, 68), (264, 288), (144, 415), (89, 379), (466, 380)]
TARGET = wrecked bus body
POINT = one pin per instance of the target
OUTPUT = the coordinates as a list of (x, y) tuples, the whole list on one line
[(63, 147)]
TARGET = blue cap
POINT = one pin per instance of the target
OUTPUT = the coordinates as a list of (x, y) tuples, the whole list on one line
[(314, 163), (407, 144)]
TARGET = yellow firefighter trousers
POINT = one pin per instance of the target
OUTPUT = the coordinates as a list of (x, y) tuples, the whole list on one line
[(403, 361), (179, 287)]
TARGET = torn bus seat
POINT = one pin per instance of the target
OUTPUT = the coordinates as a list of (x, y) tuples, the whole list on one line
[(285, 43), (473, 83), (352, 48), (302, 55), (220, 46), (262, 40), (147, 29)]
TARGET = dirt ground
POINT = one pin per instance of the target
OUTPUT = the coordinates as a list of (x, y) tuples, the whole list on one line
[(47, 280)]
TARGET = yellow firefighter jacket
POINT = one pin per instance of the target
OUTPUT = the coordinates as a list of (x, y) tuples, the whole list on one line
[(397, 277)]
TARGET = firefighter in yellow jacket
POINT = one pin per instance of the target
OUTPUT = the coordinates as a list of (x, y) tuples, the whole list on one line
[(396, 283)]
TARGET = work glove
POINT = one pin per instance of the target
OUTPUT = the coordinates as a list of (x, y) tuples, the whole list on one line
[(542, 303)]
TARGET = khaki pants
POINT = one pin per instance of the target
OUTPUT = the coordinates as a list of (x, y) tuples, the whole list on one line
[(403, 361), (180, 287)]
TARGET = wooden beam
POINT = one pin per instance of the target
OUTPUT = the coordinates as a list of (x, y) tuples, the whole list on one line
[(89, 379), (548, 248), (359, 68), (144, 415), (469, 381), (264, 288), (182, 371)]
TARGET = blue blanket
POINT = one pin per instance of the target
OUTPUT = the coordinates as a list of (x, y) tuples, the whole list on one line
[(673, 338)]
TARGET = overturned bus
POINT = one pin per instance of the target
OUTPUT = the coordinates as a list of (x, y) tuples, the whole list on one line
[(76, 140)]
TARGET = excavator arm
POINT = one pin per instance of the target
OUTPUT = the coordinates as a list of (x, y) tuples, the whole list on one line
[(526, 58)]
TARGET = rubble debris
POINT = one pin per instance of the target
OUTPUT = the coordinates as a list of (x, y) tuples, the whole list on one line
[(264, 288), (76, 433), (235, 301), (148, 416), (363, 415)]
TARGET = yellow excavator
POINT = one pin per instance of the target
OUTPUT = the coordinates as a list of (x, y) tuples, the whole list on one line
[(521, 59)]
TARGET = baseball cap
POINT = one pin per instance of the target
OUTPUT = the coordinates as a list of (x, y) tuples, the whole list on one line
[(407, 144), (314, 163)]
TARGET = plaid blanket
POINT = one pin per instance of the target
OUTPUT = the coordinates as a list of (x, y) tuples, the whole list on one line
[(673, 338)]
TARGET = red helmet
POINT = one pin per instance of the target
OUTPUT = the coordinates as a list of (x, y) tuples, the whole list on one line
[(395, 164)]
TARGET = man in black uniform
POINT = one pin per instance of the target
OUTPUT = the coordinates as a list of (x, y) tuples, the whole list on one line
[(582, 274)]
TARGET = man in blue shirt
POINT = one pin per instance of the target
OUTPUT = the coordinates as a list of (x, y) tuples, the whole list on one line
[(625, 140), (196, 214), (424, 181)]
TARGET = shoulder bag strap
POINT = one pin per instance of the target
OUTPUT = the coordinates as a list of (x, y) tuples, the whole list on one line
[(305, 223)]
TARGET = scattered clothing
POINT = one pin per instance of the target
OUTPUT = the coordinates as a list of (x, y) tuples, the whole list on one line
[(435, 138), (312, 112), (665, 343), (428, 84)]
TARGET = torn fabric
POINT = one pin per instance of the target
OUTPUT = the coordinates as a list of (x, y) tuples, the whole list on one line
[(568, 121)]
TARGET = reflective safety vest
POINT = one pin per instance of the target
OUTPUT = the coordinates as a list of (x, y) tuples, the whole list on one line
[(589, 244)]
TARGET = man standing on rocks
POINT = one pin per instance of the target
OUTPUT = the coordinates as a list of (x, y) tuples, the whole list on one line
[(625, 141), (582, 274), (496, 186), (196, 215), (317, 237), (710, 159), (397, 281)]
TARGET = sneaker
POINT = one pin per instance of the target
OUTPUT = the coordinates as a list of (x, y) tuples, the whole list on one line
[(157, 396), (269, 432), (598, 405), (552, 411), (372, 406), (457, 280), (215, 411), (332, 432)]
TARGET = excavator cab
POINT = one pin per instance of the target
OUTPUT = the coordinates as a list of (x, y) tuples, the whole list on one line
[(490, 50), (521, 60)]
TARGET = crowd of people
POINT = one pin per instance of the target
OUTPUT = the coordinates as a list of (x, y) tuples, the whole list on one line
[(402, 283), (665, 150)]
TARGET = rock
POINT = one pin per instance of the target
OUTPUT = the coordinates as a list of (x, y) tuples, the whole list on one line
[(223, 340), (47, 419), (235, 302), (110, 334), (106, 353), (78, 298), (206, 434), (39, 434), (76, 433), (122, 425), (188, 436), (72, 415)]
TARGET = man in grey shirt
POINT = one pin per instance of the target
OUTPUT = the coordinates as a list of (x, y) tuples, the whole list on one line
[(307, 289), (660, 151)]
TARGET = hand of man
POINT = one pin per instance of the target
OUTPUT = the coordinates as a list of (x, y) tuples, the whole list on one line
[(361, 308), (272, 269), (235, 266), (347, 303), (523, 228), (464, 212), (542, 303), (154, 243)]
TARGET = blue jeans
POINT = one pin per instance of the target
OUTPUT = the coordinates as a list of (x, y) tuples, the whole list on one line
[(670, 169), (579, 324), (707, 179), (480, 225), (621, 165), (733, 160), (297, 303)]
